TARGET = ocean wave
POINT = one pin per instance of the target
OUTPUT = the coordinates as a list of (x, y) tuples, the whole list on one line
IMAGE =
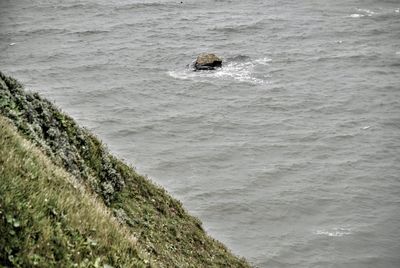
[(354, 56), (334, 232), (366, 11), (43, 31), (242, 71), (145, 4), (381, 15), (356, 15), (240, 27), (384, 15), (239, 58), (89, 32), (77, 6), (263, 61), (362, 12)]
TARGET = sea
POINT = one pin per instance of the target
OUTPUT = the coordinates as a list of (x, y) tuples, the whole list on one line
[(289, 154)]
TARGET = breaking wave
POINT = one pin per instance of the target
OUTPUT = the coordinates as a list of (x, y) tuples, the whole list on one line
[(239, 68)]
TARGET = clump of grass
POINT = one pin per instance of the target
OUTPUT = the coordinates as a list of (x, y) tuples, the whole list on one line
[(166, 234)]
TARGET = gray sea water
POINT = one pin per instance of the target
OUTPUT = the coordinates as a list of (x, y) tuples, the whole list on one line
[(289, 154)]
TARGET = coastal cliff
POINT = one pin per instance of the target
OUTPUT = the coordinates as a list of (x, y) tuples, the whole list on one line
[(65, 200)]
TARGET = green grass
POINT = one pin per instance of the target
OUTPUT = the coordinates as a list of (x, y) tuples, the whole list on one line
[(65, 199)]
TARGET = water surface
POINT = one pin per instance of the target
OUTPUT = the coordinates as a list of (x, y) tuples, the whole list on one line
[(290, 154)]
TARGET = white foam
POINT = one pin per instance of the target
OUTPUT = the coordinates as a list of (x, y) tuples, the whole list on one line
[(12, 44), (334, 232), (366, 11), (356, 15), (239, 71), (397, 10), (362, 13), (263, 61), (366, 127)]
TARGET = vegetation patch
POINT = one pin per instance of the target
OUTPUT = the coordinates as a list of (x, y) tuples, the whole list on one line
[(48, 218)]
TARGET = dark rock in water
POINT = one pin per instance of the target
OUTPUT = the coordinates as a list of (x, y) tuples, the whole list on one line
[(207, 61)]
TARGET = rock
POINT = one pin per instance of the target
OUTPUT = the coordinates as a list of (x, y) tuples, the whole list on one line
[(207, 61)]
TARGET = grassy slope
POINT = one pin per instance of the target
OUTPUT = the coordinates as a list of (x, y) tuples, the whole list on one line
[(166, 235), (47, 217)]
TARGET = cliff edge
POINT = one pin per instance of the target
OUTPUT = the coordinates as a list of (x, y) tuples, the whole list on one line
[(66, 201)]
